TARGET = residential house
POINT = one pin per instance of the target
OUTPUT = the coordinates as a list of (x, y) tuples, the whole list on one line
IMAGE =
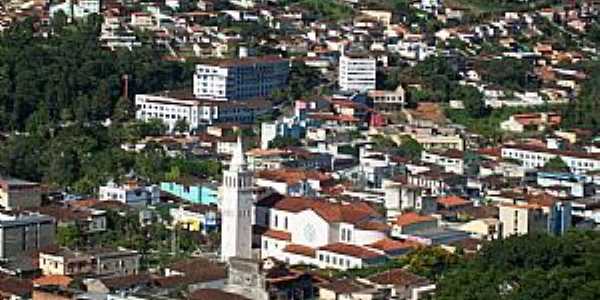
[(131, 193), (198, 217), (100, 262), (19, 194)]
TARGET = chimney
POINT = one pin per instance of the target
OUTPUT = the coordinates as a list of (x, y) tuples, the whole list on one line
[(125, 79)]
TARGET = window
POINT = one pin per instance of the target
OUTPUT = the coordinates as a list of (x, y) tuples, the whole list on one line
[(285, 223), (266, 245), (276, 221)]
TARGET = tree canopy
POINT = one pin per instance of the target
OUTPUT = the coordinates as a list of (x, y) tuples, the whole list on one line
[(534, 266)]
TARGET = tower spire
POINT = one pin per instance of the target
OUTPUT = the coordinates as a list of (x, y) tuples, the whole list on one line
[(238, 159)]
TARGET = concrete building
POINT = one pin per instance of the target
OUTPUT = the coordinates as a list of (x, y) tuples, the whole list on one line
[(388, 101), (519, 219), (202, 218), (532, 157), (357, 72), (240, 79), (76, 10), (171, 107), (20, 233), (196, 193), (236, 208), (19, 194), (101, 262), (130, 193)]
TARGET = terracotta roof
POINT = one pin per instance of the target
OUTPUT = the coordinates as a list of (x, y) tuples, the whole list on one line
[(15, 286), (293, 176), (399, 277), (214, 294), (351, 250), (278, 235), (59, 280), (372, 225), (389, 245), (127, 281), (452, 201), (345, 286), (300, 250), (354, 213), (412, 218)]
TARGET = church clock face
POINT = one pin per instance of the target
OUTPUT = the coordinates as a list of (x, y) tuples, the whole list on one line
[(310, 233)]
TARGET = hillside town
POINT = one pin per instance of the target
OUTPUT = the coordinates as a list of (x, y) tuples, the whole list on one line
[(299, 149)]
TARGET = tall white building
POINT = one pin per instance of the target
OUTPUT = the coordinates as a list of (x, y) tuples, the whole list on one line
[(240, 79), (236, 208), (357, 72)]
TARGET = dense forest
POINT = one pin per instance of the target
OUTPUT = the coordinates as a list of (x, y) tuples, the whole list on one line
[(56, 92), (529, 267)]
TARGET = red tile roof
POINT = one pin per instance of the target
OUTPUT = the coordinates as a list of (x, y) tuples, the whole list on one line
[(412, 218), (351, 250), (59, 280), (452, 201), (388, 245), (293, 176), (278, 235), (214, 294), (353, 213), (300, 250), (399, 277)]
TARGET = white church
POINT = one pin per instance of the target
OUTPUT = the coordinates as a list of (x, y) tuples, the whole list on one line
[(298, 230)]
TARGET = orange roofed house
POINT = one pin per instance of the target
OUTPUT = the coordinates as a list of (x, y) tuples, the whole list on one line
[(531, 121)]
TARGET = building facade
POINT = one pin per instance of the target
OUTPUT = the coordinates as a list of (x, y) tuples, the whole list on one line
[(241, 79), (357, 72), (24, 232), (19, 194)]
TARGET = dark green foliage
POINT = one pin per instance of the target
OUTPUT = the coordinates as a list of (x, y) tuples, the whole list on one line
[(283, 142), (529, 267), (69, 77), (472, 100), (584, 112), (510, 73), (556, 164), (68, 236)]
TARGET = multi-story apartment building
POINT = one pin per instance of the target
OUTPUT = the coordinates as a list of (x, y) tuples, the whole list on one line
[(240, 79), (20, 233), (19, 194), (171, 107), (357, 72), (536, 157)]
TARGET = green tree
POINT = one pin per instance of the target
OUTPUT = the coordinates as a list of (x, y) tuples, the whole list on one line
[(410, 148), (556, 164), (181, 126), (535, 266), (283, 142), (472, 100), (68, 236)]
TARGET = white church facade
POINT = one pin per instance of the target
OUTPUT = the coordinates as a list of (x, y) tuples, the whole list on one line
[(299, 230)]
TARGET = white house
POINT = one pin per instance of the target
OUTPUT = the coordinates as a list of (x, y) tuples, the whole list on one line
[(130, 193)]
